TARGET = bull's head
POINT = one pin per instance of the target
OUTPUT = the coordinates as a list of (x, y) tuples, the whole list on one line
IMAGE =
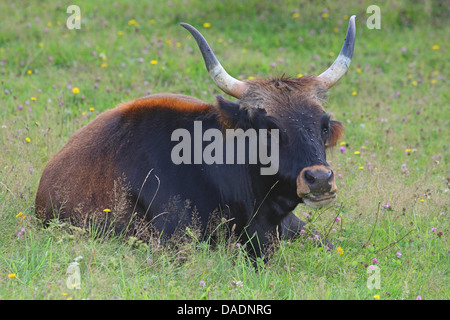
[(294, 104)]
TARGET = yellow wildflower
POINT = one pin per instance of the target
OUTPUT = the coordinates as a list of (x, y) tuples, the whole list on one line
[(132, 22), (340, 250), (104, 65), (19, 214), (75, 90), (299, 75), (153, 62), (207, 25), (296, 15), (106, 210), (29, 72), (27, 139), (354, 93), (435, 47), (33, 98), (377, 296), (325, 15), (414, 83), (12, 275), (356, 152)]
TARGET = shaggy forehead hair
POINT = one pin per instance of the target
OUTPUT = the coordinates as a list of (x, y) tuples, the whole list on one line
[(281, 94)]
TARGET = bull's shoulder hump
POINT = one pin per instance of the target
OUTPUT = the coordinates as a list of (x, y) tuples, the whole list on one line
[(171, 101)]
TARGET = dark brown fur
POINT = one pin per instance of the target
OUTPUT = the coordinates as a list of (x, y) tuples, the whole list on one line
[(69, 186), (278, 94)]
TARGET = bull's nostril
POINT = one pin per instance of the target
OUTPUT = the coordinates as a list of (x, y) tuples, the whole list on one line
[(309, 177), (330, 175)]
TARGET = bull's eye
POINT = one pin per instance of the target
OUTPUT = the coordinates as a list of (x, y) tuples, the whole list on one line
[(325, 125), (325, 132)]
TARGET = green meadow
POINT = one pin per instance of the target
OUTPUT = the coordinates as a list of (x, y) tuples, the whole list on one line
[(391, 219)]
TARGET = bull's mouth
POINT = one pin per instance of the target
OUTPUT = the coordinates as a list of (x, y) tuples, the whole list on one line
[(319, 201)]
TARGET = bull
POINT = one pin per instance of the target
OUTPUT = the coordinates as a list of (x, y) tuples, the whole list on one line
[(122, 161)]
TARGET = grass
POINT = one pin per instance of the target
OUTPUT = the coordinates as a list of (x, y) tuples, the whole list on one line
[(393, 193)]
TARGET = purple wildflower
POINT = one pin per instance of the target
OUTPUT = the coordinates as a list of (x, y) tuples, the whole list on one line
[(21, 232)]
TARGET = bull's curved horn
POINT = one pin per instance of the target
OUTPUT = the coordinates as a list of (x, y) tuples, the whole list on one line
[(342, 62), (221, 78)]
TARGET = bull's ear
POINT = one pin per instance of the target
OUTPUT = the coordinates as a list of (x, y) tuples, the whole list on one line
[(232, 115), (336, 131)]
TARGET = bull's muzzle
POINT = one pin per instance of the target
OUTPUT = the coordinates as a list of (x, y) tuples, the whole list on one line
[(316, 186)]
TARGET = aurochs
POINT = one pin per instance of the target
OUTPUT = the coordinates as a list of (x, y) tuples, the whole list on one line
[(124, 156)]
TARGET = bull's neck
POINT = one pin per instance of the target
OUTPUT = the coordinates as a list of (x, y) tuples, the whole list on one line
[(276, 200)]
